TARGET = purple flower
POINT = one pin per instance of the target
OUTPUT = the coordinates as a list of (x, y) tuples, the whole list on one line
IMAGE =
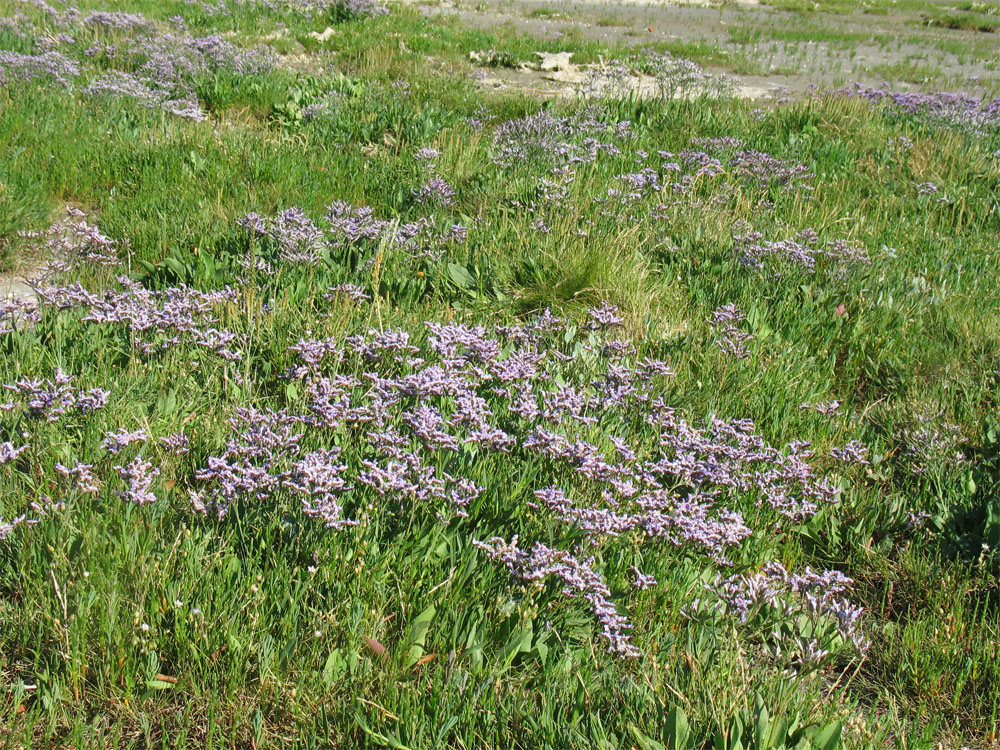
[(82, 476), (351, 291), (48, 65), (319, 477), (605, 316), (852, 452), (116, 442), (579, 580), (641, 580), (828, 409), (139, 475), (435, 192), (8, 452), (177, 443)]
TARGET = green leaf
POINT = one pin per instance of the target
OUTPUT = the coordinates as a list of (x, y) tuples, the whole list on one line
[(679, 729), (643, 741), (519, 641), (158, 685), (335, 666), (829, 737), (417, 636), (762, 728), (460, 276), (177, 267), (542, 650)]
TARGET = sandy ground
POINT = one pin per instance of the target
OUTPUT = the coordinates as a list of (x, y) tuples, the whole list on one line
[(779, 66)]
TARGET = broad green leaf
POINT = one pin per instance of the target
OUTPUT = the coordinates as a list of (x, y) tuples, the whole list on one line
[(417, 636)]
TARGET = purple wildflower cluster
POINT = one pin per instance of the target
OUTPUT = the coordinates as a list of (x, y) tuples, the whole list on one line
[(52, 399), (152, 67), (158, 320), (115, 442), (73, 240), (546, 138), (299, 240), (529, 392), (470, 392), (960, 110), (139, 476), (579, 579), (804, 251), (176, 443), (254, 464), (930, 441), (732, 340), (8, 452), (82, 477), (828, 409), (48, 66), (40, 508), (852, 452), (436, 191), (116, 21), (678, 77), (766, 171), (685, 172), (340, 9), (17, 312), (350, 291), (774, 594), (295, 235)]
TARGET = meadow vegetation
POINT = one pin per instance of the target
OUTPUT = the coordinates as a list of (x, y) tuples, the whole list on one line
[(356, 405)]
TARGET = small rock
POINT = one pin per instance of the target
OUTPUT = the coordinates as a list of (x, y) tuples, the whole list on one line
[(322, 36), (554, 60)]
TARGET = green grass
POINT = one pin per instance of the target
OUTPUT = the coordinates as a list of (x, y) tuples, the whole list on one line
[(98, 602)]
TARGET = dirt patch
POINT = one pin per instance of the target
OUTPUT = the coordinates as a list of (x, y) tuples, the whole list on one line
[(768, 50), (555, 75)]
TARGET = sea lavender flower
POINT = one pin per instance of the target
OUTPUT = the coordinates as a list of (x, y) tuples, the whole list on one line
[(146, 93), (816, 596), (428, 425), (350, 224), (319, 476), (579, 580), (828, 409), (642, 581), (47, 399), (352, 9), (8, 452), (177, 443), (15, 67), (7, 527), (953, 109), (15, 313), (140, 475), (117, 21), (765, 170), (299, 240), (728, 313), (159, 319), (82, 476), (115, 442), (605, 316), (732, 340), (853, 452), (426, 157), (435, 191), (351, 291)]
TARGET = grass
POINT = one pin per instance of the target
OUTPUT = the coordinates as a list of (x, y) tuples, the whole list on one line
[(154, 626)]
